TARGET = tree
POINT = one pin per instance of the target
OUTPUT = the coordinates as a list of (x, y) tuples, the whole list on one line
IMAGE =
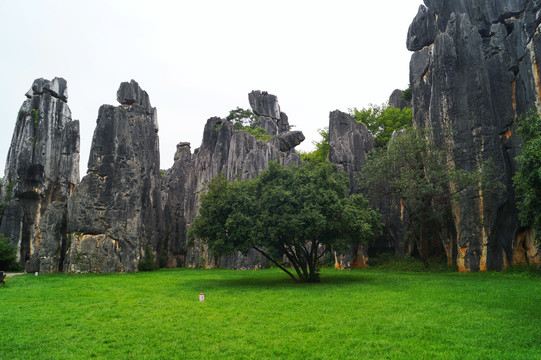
[(246, 121), (382, 121), (299, 213), (243, 117), (322, 148), (527, 180), (413, 169), (8, 253)]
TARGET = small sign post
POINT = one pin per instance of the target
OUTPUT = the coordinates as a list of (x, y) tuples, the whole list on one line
[(201, 297)]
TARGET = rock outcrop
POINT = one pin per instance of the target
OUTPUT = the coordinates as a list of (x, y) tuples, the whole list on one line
[(266, 107), (397, 100), (236, 155), (116, 209), (475, 70), (41, 171), (349, 144)]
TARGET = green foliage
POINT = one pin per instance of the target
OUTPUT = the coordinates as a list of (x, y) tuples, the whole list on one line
[(411, 168), (360, 314), (35, 115), (382, 121), (10, 186), (243, 117), (147, 263), (527, 180), (162, 173), (246, 121), (407, 94), (321, 152), (259, 133), (8, 253), (296, 212)]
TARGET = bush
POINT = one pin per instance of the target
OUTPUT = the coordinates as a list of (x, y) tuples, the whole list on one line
[(8, 254), (147, 263)]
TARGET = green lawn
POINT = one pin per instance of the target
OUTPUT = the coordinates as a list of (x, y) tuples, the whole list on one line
[(362, 314)]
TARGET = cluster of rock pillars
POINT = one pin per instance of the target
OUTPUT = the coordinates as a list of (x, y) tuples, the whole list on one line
[(474, 69)]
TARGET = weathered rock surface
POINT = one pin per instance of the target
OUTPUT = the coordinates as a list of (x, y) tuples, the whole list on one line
[(116, 209), (475, 70), (233, 154), (396, 100), (41, 171), (266, 106), (349, 144)]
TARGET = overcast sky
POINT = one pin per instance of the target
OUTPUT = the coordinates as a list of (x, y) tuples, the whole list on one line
[(198, 59)]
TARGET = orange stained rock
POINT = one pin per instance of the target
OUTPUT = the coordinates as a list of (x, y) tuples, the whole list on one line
[(460, 260), (514, 97)]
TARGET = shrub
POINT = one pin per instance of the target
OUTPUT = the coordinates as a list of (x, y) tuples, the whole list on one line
[(8, 254), (147, 263)]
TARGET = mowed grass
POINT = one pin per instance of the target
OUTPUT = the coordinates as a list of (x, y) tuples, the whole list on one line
[(361, 314)]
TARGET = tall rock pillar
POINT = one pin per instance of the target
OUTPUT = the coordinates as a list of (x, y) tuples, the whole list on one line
[(41, 171), (474, 72), (116, 209)]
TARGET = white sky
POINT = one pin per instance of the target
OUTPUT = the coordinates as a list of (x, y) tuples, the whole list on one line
[(201, 58)]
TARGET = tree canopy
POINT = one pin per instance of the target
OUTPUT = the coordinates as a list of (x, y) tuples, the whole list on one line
[(527, 180), (382, 121), (246, 121), (297, 213)]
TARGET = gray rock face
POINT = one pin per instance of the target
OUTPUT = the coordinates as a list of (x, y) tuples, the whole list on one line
[(266, 106), (233, 154), (41, 171), (116, 209), (475, 70), (397, 101), (349, 144)]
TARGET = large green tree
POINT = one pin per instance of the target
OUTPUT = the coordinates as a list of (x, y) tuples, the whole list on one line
[(382, 121), (299, 213), (416, 171), (527, 180)]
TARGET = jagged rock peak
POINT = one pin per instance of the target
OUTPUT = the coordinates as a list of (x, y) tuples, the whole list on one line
[(183, 150), (266, 107), (264, 104), (130, 93), (58, 88)]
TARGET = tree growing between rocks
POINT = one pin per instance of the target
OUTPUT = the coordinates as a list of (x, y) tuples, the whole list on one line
[(321, 152), (413, 169), (382, 121), (527, 180), (296, 213)]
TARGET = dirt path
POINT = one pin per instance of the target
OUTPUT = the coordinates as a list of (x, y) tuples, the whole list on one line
[(13, 274)]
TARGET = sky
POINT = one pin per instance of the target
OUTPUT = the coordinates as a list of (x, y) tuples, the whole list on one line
[(199, 59)]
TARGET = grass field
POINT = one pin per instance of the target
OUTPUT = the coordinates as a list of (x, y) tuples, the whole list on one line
[(362, 314)]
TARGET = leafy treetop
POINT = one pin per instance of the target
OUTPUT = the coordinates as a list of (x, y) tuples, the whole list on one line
[(382, 121)]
